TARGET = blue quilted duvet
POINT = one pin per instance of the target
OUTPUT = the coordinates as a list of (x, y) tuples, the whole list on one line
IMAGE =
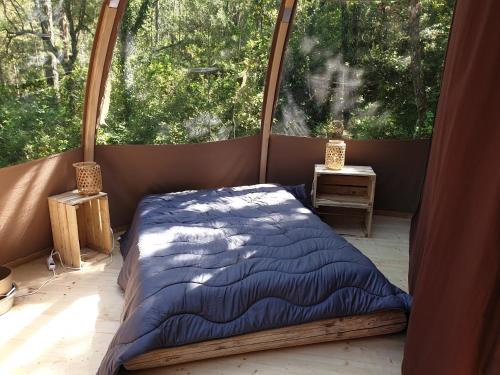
[(201, 265)]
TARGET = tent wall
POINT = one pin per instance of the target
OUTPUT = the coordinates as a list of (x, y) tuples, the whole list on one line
[(400, 166), (454, 327), (24, 214), (131, 171)]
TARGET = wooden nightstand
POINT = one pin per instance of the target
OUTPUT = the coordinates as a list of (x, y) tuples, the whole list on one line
[(80, 221), (345, 192)]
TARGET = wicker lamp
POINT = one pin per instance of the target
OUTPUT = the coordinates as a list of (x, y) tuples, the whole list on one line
[(335, 154), (335, 148), (88, 178)]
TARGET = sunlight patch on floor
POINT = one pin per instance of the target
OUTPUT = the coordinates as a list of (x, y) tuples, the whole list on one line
[(13, 324), (73, 326)]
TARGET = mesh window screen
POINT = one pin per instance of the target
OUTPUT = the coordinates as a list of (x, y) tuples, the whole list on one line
[(188, 71), (364, 69), (44, 54)]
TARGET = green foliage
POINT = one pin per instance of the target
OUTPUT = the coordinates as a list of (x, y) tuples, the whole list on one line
[(381, 126), (40, 114), (36, 124), (191, 73), (350, 60), (194, 71), (331, 129)]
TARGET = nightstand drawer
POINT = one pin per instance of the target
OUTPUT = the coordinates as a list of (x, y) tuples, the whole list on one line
[(344, 185)]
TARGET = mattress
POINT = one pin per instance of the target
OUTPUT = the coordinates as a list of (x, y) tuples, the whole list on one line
[(208, 264)]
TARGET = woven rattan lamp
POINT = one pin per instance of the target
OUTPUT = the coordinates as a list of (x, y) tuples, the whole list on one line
[(88, 178), (335, 154)]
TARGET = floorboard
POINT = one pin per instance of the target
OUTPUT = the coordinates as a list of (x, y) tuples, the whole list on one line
[(67, 326)]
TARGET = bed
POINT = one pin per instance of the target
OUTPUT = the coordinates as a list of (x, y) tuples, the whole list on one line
[(217, 272)]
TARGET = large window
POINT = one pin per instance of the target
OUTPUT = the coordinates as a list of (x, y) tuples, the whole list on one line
[(364, 69), (44, 53), (188, 71)]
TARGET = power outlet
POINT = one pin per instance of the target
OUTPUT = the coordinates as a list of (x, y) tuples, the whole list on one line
[(51, 265)]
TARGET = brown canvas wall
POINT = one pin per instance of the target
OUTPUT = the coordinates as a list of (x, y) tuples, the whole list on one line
[(130, 172), (454, 327), (24, 214), (400, 166)]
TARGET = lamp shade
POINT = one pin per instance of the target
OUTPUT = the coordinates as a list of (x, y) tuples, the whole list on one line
[(335, 155)]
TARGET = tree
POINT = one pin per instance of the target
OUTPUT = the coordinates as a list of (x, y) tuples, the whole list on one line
[(416, 65), (41, 76), (194, 70), (44, 11)]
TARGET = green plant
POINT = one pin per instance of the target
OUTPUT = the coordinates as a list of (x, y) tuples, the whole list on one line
[(332, 129)]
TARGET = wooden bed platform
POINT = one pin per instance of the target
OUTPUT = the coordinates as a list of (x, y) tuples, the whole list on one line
[(351, 327)]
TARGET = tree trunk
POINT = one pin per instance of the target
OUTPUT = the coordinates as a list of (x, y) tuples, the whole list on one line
[(416, 68), (74, 25), (54, 62), (128, 30), (157, 22), (66, 38), (70, 26), (47, 25), (344, 15), (123, 66), (356, 12)]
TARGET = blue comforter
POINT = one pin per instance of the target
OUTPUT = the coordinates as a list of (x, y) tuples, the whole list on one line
[(201, 265)]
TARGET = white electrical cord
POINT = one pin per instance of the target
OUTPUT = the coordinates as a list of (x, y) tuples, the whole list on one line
[(112, 246), (54, 252), (40, 287)]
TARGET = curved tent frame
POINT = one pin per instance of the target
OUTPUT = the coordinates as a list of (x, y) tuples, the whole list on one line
[(111, 14), (100, 62)]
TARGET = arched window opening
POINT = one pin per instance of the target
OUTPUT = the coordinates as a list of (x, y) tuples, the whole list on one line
[(363, 69), (188, 71), (45, 49)]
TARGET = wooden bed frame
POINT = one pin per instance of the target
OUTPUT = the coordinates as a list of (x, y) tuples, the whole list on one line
[(350, 327)]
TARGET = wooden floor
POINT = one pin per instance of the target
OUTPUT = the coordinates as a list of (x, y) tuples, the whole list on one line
[(67, 326)]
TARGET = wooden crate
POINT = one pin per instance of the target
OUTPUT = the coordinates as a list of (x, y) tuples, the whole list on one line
[(350, 189), (79, 222)]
